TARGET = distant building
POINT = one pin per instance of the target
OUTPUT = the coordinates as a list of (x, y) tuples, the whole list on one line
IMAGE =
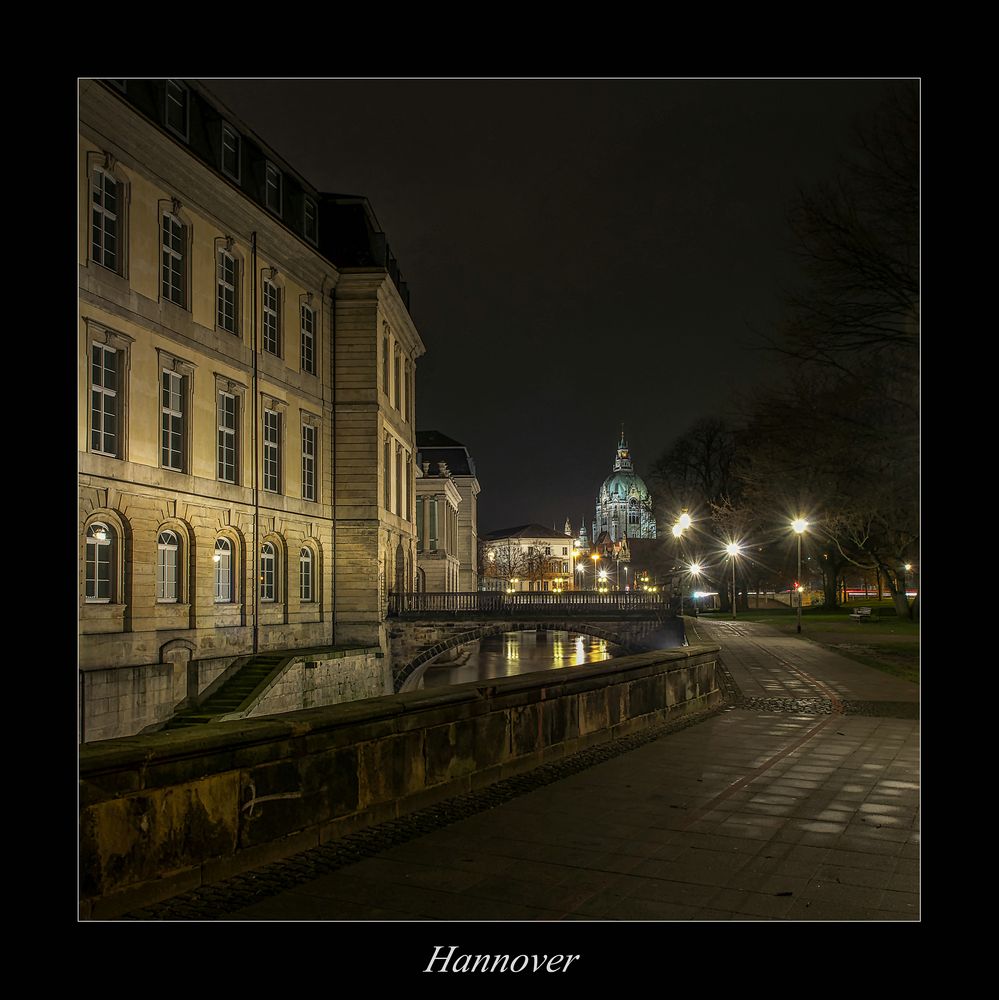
[(436, 450), (528, 557), (437, 523), (624, 507)]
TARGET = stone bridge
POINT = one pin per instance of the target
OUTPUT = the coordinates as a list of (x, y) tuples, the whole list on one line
[(423, 626)]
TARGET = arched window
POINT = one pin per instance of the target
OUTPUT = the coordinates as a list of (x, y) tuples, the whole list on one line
[(633, 512), (223, 571), (167, 565), (99, 563), (305, 574), (268, 572)]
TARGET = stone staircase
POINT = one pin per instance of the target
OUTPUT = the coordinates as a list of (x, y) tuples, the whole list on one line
[(233, 694)]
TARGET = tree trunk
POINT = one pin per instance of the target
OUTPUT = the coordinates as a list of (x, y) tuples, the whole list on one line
[(898, 597)]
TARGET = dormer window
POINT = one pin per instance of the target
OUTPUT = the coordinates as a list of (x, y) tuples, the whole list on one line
[(230, 151), (177, 108), (272, 188)]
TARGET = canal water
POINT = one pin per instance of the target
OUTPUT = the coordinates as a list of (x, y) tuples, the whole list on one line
[(517, 653)]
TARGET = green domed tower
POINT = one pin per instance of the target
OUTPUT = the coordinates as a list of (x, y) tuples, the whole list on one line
[(624, 507)]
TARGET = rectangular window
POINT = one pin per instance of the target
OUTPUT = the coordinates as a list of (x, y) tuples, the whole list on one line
[(174, 247), (387, 470), (272, 188), (176, 108), (272, 325), (104, 400), (272, 451), (308, 340), (308, 462), (230, 151), (226, 292), (419, 524), (385, 366), (398, 481), (311, 220), (397, 382), (104, 220), (172, 450), (433, 523), (228, 412)]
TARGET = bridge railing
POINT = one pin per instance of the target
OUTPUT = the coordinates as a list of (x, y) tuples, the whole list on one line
[(487, 602)]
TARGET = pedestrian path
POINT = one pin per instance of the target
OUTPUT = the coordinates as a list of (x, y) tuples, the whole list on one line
[(749, 814)]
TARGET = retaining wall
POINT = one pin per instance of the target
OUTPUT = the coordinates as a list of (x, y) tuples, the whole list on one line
[(170, 811)]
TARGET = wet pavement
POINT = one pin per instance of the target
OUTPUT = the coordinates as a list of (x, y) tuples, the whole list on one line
[(799, 800)]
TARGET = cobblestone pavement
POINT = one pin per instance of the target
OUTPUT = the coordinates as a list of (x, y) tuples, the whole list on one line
[(797, 800)]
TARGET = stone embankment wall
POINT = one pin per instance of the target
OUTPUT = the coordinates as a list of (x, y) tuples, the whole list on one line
[(167, 812)]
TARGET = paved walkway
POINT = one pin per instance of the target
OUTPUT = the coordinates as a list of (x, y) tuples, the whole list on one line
[(754, 813)]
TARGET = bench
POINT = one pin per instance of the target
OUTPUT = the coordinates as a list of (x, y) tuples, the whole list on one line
[(861, 614)]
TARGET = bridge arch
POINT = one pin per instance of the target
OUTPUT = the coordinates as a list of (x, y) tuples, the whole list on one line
[(409, 674)]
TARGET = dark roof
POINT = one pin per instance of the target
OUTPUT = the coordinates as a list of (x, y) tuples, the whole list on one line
[(526, 531), (434, 447), (434, 439)]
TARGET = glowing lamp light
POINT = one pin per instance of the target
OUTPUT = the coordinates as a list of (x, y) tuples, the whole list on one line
[(799, 524), (684, 521), (695, 568), (908, 566), (733, 548), (677, 530), (101, 535)]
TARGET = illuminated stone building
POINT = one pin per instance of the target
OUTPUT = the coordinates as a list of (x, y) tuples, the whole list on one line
[(246, 409), (528, 557), (624, 507)]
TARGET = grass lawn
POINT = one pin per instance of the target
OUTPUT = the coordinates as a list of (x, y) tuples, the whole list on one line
[(887, 644)]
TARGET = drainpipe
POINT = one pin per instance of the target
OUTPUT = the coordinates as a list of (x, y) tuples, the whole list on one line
[(255, 557)]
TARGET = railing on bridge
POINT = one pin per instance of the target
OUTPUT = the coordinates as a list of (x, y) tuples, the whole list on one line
[(487, 602)]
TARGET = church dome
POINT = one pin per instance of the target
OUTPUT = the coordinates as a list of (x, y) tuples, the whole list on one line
[(624, 485)]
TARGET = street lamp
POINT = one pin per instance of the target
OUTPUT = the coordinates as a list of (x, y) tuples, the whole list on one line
[(799, 524), (733, 549), (581, 569), (595, 557)]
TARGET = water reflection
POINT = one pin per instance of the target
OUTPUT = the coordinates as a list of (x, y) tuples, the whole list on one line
[(517, 653)]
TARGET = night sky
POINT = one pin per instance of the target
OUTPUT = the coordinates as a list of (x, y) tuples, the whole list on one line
[(579, 253)]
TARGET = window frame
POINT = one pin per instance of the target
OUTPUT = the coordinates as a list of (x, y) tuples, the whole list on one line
[(168, 589), (270, 317), (309, 454), (228, 436), (308, 338), (104, 394), (306, 576), (227, 128), (271, 169), (308, 202), (224, 284), (168, 289), (92, 580), (270, 442), (117, 216), (223, 571), (185, 106), (173, 421), (268, 583)]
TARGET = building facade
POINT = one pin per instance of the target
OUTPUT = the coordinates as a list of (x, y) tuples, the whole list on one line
[(624, 507), (528, 557), (438, 505), (245, 475), (437, 450)]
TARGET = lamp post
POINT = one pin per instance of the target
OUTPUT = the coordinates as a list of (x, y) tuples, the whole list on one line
[(694, 570), (595, 557), (799, 524), (733, 549)]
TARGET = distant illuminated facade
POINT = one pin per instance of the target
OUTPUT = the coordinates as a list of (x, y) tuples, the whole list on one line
[(624, 507)]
